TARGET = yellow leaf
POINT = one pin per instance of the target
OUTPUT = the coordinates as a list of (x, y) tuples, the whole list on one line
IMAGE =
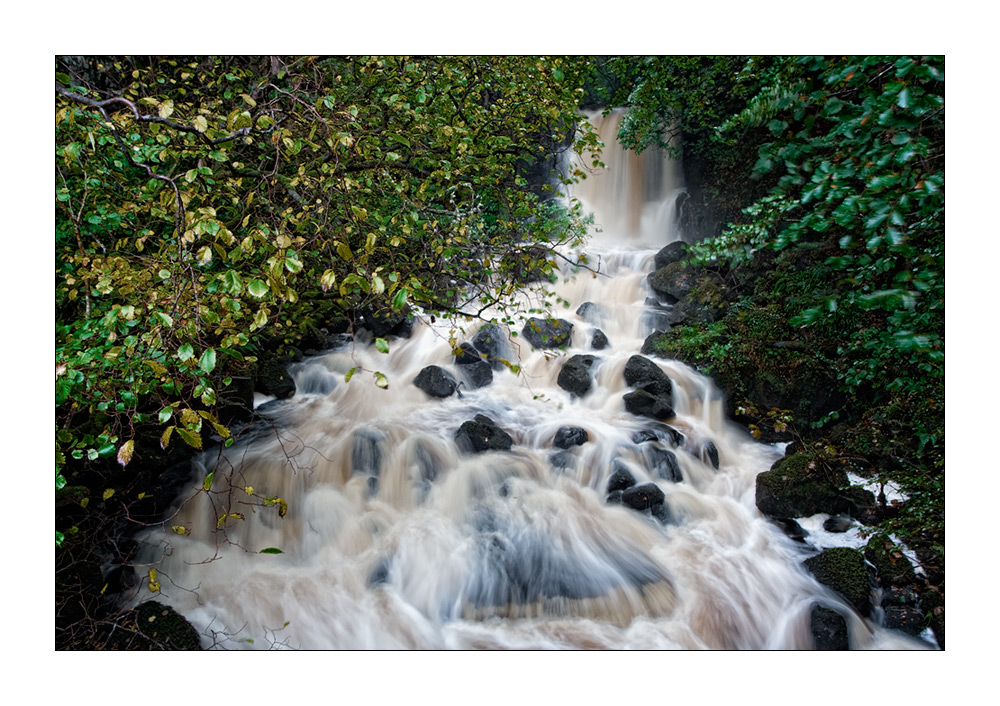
[(125, 452), (154, 585), (248, 490), (200, 123), (108, 493), (179, 529)]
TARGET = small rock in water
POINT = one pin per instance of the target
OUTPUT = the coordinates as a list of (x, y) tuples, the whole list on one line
[(599, 341), (436, 381), (829, 629), (643, 497), (838, 523), (791, 528), (482, 434), (493, 341), (590, 312), (567, 437), (621, 479), (663, 464), (710, 454), (476, 375), (644, 404)]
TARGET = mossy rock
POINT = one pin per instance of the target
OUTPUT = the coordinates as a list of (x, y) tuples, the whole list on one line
[(843, 569), (891, 567), (800, 485)]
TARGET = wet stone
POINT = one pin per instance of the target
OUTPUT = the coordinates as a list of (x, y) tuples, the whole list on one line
[(547, 333), (482, 434), (710, 454), (574, 377), (621, 479), (567, 437), (436, 381), (829, 629), (663, 464), (493, 341), (643, 497), (599, 341), (838, 523)]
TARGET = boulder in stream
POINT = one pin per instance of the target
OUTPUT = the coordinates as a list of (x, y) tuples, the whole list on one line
[(843, 569), (436, 381), (574, 377), (548, 333), (493, 341), (829, 629), (482, 434), (568, 437)]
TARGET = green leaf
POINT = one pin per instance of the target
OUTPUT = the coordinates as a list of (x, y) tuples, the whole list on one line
[(191, 438), (271, 550), (381, 381), (166, 414), (558, 75), (381, 345), (399, 299), (257, 288), (185, 352), (350, 374), (207, 362), (207, 483), (156, 367)]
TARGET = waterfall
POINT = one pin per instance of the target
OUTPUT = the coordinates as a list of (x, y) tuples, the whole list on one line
[(391, 536)]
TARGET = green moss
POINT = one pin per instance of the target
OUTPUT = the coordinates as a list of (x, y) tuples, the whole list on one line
[(843, 570), (800, 485)]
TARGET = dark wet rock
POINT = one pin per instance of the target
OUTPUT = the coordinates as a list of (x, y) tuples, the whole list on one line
[(235, 402), (366, 452), (547, 333), (591, 313), (838, 523), (644, 435), (475, 375), (599, 341), (663, 464), (620, 479), (829, 629), (860, 504), (567, 437), (164, 628), (467, 353), (906, 618), (709, 454), (644, 374), (493, 341), (692, 310), (644, 404), (660, 432), (892, 568), (482, 434), (673, 281), (669, 254), (643, 497), (800, 485), (791, 528), (271, 378), (384, 321), (843, 569), (574, 377), (436, 381)]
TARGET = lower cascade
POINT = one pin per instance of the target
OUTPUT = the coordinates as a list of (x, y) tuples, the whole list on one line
[(594, 498)]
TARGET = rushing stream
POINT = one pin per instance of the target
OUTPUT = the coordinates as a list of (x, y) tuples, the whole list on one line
[(393, 537)]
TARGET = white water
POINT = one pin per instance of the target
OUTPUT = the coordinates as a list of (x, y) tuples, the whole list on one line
[(501, 549)]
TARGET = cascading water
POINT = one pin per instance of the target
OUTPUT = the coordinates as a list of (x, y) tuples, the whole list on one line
[(392, 536)]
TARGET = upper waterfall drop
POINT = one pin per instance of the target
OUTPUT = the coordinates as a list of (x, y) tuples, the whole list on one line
[(634, 197)]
